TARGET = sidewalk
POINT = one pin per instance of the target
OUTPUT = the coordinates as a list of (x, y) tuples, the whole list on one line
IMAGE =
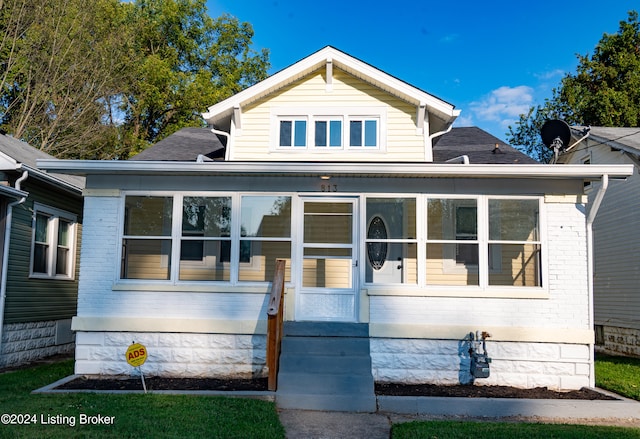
[(301, 424)]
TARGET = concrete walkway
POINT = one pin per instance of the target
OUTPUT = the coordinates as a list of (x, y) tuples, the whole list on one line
[(303, 424)]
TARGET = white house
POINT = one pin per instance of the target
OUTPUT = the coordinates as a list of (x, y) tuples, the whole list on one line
[(346, 173), (616, 241)]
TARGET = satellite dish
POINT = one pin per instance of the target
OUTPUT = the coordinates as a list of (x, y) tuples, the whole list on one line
[(555, 134)]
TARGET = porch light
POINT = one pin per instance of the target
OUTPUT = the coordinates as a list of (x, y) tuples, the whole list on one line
[(325, 177)]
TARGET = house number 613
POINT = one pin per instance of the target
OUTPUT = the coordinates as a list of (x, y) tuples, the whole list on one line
[(329, 187)]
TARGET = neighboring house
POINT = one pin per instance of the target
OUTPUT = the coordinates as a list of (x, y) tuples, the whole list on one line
[(357, 180), (616, 241), (40, 220)]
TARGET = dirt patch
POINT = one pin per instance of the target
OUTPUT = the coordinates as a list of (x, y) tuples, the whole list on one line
[(158, 383), (470, 391), (390, 389)]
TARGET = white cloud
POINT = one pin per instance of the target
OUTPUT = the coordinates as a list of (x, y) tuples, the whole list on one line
[(552, 74), (503, 105)]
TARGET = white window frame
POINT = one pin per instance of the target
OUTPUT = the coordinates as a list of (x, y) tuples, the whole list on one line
[(54, 215), (363, 120), (175, 240), (314, 114)]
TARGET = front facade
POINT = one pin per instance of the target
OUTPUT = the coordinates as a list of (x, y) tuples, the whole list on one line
[(616, 241), (41, 225), (329, 165)]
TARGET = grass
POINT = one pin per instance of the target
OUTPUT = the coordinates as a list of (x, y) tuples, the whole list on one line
[(619, 374), (169, 416), (480, 430), (134, 415)]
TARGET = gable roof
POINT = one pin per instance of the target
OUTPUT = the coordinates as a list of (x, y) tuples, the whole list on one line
[(16, 155), (223, 110), (185, 145), (623, 138), (478, 145)]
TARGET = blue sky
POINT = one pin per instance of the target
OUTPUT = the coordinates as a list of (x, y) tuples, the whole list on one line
[(491, 59)]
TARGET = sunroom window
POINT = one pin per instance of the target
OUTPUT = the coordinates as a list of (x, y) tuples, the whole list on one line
[(265, 235), (391, 241), (206, 237), (452, 242), (514, 243), (146, 243)]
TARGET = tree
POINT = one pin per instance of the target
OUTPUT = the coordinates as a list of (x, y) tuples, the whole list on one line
[(604, 91), (105, 79), (61, 62), (189, 62)]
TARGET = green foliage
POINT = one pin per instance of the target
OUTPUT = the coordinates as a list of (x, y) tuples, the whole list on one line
[(619, 374), (105, 79), (134, 415), (480, 430), (604, 91)]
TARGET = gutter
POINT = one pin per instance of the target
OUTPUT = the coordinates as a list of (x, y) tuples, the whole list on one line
[(5, 251), (590, 268)]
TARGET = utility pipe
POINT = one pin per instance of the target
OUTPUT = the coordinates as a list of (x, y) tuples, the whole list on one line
[(590, 267), (5, 251)]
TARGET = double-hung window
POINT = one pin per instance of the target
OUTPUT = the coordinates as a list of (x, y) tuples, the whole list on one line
[(53, 243)]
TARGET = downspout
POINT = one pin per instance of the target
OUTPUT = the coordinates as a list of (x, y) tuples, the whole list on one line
[(227, 146), (5, 251), (590, 268)]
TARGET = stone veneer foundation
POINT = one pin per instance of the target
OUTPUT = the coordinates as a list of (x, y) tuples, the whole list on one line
[(185, 355), (23, 343), (617, 340), (523, 365)]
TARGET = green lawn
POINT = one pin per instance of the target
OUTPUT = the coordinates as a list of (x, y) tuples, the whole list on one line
[(617, 374), (132, 416), (170, 416)]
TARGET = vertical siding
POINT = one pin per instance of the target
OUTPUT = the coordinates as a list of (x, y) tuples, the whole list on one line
[(38, 299), (617, 247), (402, 142)]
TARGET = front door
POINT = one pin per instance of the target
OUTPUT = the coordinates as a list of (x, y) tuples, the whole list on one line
[(328, 257)]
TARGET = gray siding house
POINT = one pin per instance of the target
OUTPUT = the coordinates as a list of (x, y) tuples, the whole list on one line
[(40, 228), (616, 240)]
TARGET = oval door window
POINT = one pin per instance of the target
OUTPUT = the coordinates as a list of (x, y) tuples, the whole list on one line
[(377, 251)]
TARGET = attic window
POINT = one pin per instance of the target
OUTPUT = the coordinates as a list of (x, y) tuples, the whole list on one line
[(293, 132), (323, 129)]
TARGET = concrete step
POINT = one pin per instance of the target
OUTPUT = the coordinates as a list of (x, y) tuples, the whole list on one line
[(326, 366), (337, 346), (320, 363), (325, 329)]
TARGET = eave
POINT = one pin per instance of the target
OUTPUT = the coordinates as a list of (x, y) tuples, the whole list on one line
[(330, 58), (337, 169)]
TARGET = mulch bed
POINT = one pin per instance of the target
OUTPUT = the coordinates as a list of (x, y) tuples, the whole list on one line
[(391, 389), (470, 391)]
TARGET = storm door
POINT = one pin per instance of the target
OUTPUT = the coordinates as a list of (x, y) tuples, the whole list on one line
[(329, 260)]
